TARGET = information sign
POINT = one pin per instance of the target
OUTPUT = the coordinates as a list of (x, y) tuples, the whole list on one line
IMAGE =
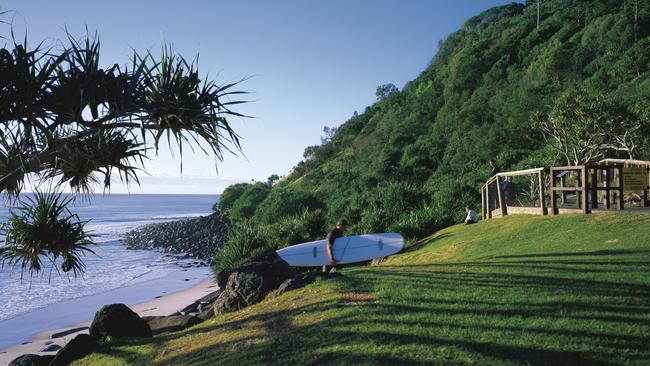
[(635, 179)]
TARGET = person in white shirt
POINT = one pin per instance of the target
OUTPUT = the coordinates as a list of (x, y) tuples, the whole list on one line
[(471, 216)]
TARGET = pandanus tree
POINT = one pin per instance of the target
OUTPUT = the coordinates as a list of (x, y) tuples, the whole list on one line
[(68, 121)]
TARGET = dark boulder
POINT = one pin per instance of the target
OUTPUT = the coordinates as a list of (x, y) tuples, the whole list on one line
[(79, 347), (222, 278), (31, 360), (172, 323), (252, 281), (242, 289), (118, 321)]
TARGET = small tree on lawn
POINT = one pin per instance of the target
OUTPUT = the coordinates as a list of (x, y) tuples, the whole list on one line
[(66, 120)]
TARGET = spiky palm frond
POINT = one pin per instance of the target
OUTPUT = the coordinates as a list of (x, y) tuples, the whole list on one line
[(46, 97), (11, 159), (44, 100), (44, 228), (26, 78), (187, 109), (80, 162)]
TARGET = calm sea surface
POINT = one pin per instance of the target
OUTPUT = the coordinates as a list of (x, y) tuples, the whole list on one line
[(114, 266)]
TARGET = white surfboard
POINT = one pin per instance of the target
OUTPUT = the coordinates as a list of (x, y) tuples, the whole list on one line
[(347, 249)]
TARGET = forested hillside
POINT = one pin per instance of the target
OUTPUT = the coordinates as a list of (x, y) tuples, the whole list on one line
[(412, 160)]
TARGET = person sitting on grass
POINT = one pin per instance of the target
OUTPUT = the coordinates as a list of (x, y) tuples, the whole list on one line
[(337, 232), (471, 216)]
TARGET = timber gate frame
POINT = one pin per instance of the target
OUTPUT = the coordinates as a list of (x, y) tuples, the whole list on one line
[(503, 208)]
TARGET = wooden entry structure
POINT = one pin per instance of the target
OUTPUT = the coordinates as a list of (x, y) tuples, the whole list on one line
[(493, 203), (586, 186), (631, 163), (594, 184), (580, 189)]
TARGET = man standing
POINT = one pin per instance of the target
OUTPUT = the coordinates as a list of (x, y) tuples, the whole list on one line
[(509, 190), (337, 232), (492, 188)]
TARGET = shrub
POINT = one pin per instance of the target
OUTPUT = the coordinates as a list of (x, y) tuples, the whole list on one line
[(417, 223), (309, 225), (286, 201), (245, 240), (244, 207), (230, 195)]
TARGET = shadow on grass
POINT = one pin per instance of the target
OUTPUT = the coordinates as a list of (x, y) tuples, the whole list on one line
[(424, 242), (580, 254), (425, 315)]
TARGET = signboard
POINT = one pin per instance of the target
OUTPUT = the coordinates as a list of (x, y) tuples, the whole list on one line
[(635, 179)]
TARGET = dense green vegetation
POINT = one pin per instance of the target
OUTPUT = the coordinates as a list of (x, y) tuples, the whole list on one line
[(411, 161), (522, 290)]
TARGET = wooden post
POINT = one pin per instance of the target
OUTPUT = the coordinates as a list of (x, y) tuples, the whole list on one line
[(646, 203), (554, 210), (542, 202), (483, 213), (577, 189), (621, 199), (583, 191), (487, 200), (594, 188), (607, 185), (502, 203)]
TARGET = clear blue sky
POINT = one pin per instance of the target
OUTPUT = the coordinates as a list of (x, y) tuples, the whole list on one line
[(312, 64)]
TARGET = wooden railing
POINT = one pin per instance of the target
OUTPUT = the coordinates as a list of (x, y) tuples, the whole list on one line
[(487, 193)]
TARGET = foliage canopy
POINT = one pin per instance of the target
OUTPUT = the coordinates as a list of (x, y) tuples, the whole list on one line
[(68, 120)]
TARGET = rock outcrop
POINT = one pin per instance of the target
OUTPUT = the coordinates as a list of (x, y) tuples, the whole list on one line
[(252, 281), (198, 237), (118, 321), (199, 306), (31, 360), (79, 347)]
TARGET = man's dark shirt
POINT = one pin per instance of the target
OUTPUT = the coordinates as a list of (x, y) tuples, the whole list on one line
[(332, 235)]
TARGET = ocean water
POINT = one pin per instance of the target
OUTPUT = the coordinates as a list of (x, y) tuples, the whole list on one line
[(113, 266)]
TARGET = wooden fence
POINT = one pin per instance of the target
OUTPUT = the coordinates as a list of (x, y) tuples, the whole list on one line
[(595, 187)]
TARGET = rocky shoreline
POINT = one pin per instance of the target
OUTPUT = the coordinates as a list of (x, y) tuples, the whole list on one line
[(198, 237), (243, 286)]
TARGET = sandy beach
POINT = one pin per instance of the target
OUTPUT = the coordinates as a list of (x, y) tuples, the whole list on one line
[(164, 304)]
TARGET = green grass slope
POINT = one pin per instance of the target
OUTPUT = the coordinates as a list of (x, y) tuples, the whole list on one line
[(569, 290)]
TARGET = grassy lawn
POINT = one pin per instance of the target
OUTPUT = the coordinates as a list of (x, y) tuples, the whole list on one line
[(570, 290)]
